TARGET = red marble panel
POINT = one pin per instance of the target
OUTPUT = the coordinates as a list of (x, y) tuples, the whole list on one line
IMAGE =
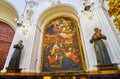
[(6, 37)]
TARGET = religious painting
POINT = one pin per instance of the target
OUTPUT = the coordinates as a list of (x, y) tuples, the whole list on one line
[(62, 46)]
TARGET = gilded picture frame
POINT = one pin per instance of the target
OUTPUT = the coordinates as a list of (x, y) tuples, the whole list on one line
[(62, 49)]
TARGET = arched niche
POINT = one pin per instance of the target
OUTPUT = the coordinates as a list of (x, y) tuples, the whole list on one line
[(62, 46), (7, 28), (62, 10)]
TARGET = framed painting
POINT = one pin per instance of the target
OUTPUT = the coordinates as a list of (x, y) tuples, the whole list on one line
[(62, 47)]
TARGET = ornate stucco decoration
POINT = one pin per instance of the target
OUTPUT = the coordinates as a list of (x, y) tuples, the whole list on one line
[(114, 10), (25, 19), (88, 9)]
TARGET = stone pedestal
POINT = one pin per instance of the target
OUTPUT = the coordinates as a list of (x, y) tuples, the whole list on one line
[(13, 70), (112, 66)]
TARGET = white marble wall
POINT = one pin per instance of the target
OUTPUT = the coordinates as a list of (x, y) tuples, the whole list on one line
[(99, 20), (113, 37)]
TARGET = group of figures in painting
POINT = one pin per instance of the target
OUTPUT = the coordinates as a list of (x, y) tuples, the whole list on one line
[(61, 48)]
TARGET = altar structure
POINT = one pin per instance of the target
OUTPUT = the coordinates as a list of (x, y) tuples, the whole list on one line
[(50, 28)]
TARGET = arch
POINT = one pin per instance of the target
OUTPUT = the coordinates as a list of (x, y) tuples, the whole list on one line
[(7, 28), (6, 37), (57, 10), (48, 15), (10, 24), (8, 13)]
